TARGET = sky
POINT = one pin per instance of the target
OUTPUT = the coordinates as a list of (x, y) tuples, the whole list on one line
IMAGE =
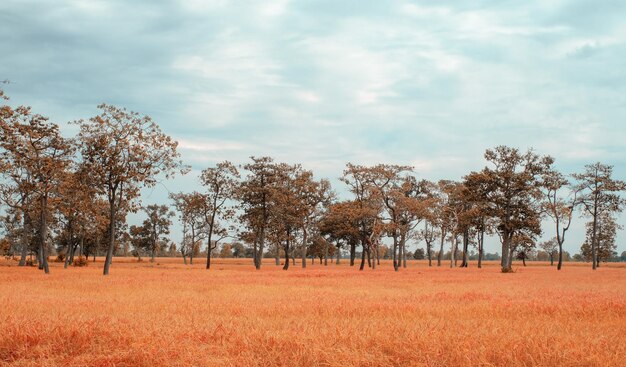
[(323, 83)]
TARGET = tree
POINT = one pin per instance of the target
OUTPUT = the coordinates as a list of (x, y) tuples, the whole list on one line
[(604, 238), (442, 214), (385, 181), (599, 197), (340, 224), (238, 250), (151, 236), (313, 196), (366, 209), (513, 194), (125, 151), (191, 214), (550, 247), (558, 208), (477, 217), (253, 195), (34, 158), (220, 183), (226, 251), (429, 233), (79, 209), (319, 248), (419, 254), (287, 197)]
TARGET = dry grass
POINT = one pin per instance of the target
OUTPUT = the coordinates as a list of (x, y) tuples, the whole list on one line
[(168, 314)]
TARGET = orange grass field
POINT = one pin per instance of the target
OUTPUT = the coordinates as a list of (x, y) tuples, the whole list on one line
[(168, 314)]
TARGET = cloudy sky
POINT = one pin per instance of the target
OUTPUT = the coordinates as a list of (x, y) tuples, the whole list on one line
[(430, 84)]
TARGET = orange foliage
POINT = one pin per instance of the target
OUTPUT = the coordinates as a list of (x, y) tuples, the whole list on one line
[(168, 314)]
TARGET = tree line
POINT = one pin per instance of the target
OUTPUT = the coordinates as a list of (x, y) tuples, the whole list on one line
[(72, 195)]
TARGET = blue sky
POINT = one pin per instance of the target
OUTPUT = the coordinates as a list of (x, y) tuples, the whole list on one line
[(430, 84)]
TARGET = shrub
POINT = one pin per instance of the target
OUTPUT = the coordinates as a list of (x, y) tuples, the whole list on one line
[(81, 261)]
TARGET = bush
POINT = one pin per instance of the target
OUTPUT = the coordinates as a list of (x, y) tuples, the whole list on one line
[(60, 258), (30, 262), (81, 261)]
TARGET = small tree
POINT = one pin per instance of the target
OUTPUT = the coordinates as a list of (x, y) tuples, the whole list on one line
[(419, 254), (550, 247), (151, 236), (605, 235)]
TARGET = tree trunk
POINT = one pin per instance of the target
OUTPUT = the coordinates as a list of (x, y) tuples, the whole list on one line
[(304, 239), (338, 255), (67, 255), (208, 257), (286, 266), (481, 237), (81, 247), (43, 230), (109, 256), (255, 251), (506, 256), (352, 252), (440, 255), (24, 240), (594, 235), (326, 253), (363, 245), (403, 246), (453, 252), (277, 254), (395, 252), (465, 264), (373, 266), (208, 247)]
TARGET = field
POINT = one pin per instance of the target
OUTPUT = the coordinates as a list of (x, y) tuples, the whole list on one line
[(168, 314)]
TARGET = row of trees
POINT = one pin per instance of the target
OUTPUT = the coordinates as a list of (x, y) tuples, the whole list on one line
[(76, 193)]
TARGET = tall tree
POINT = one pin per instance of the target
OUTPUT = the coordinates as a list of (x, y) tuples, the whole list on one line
[(220, 183), (125, 151), (289, 205), (314, 197), (254, 196), (513, 196), (599, 196), (478, 216), (558, 207), (33, 149), (367, 209)]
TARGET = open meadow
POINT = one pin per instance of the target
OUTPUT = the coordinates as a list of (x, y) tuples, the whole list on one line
[(168, 314)]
